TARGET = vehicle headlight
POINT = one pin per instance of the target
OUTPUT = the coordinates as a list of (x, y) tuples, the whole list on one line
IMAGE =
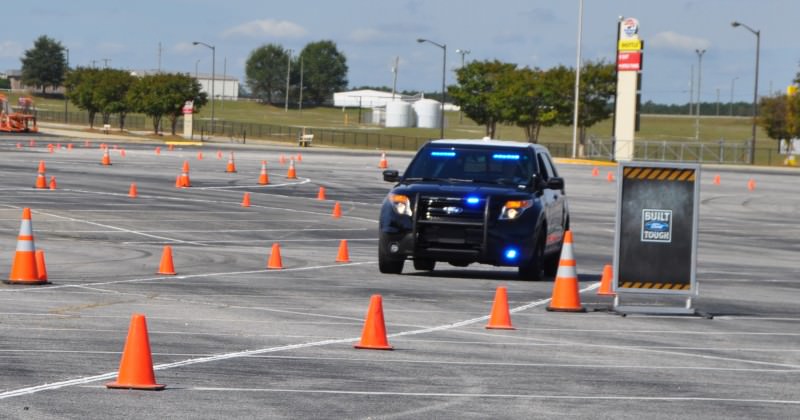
[(401, 204), (514, 208)]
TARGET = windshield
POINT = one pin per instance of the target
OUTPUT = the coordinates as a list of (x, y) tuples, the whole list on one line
[(473, 164)]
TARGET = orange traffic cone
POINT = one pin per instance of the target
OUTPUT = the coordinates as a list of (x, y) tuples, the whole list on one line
[(263, 178), (199, 155), (158, 150), (566, 297), (274, 261), (122, 152), (69, 147), (610, 176), (344, 254), (605, 282), (177, 181), (373, 336), (166, 267), (299, 157), (41, 167), (231, 166), (23, 269), (184, 179), (41, 181), (185, 167), (383, 163), (106, 158), (751, 185), (595, 171), (136, 366), (282, 159), (50, 148), (41, 266), (219, 154), (132, 192), (321, 194), (337, 210), (170, 147), (291, 173), (53, 184), (500, 318), (31, 143), (717, 179), (19, 145), (86, 143), (246, 200)]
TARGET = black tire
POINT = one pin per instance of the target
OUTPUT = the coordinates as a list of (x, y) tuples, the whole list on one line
[(386, 263), (551, 263), (424, 264), (532, 269)]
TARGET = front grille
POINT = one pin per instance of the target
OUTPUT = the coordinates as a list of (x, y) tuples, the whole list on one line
[(451, 223)]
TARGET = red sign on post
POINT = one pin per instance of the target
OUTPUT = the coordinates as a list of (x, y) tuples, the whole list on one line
[(629, 61)]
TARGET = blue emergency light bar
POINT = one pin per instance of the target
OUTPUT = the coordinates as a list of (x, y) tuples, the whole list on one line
[(505, 156), (438, 153)]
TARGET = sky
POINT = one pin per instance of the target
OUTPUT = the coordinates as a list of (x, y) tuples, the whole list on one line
[(372, 33)]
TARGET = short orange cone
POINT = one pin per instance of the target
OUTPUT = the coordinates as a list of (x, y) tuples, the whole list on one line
[(344, 255), (231, 166), (177, 181), (185, 167), (170, 147), (299, 157), (610, 176), (158, 150), (41, 266), (219, 154), (337, 210), (263, 178), (136, 365), (122, 152), (41, 181), (595, 171), (184, 181), (717, 179), (291, 173), (53, 184), (566, 297), (50, 148), (500, 318), (69, 147), (246, 200), (23, 269), (383, 163), (605, 282), (106, 158), (133, 192), (282, 159), (199, 155), (751, 185), (373, 336), (86, 143), (274, 261), (321, 194), (166, 267)]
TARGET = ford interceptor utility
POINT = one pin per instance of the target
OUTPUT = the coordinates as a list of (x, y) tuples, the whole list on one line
[(475, 201)]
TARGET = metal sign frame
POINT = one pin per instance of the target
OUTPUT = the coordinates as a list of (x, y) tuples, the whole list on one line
[(651, 201)]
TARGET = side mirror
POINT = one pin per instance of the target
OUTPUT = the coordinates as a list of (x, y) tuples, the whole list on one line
[(391, 175), (555, 183)]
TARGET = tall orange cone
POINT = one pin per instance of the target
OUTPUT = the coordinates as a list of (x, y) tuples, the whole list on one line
[(500, 318), (717, 179), (199, 155), (751, 185), (41, 167), (219, 154), (166, 267), (566, 297), (53, 184), (41, 181), (263, 178), (69, 147), (274, 261), (136, 365), (170, 147), (246, 200), (158, 150), (321, 194), (177, 181), (383, 163), (282, 159), (605, 282), (184, 179), (106, 158), (299, 157), (291, 173), (595, 171), (231, 166), (185, 167), (41, 266), (122, 152), (337, 210), (23, 269), (344, 255), (133, 192), (373, 336), (610, 176)]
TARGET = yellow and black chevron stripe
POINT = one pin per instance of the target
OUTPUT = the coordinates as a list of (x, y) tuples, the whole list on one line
[(653, 285), (659, 174)]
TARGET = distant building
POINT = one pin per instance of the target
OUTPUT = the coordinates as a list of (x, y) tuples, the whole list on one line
[(15, 80), (367, 98), (225, 88)]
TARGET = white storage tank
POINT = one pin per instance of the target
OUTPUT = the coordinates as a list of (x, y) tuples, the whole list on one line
[(378, 115), (428, 113), (398, 114)]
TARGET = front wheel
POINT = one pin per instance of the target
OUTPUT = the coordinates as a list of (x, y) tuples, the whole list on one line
[(532, 269), (388, 264)]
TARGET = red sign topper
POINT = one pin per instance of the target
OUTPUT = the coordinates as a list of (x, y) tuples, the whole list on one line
[(629, 61)]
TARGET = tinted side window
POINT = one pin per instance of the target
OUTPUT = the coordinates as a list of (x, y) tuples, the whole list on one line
[(545, 167), (549, 164)]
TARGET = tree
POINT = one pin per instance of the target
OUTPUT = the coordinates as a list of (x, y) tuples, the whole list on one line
[(536, 99), (81, 84), (482, 92), (164, 94), (110, 94), (778, 115), (597, 86), (44, 65), (265, 70), (324, 71)]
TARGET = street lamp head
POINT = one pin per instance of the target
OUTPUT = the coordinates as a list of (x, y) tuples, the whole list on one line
[(195, 43), (735, 24), (420, 40)]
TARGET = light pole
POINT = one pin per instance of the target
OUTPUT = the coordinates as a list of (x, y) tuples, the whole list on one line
[(300, 105), (195, 68), (733, 85), (463, 53), (757, 33), (288, 69), (213, 77), (66, 101), (577, 82), (699, 102), (444, 64)]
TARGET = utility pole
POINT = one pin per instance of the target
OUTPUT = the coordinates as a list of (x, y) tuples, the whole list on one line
[(463, 53), (394, 70), (699, 100), (288, 69), (300, 105), (691, 91), (224, 76), (159, 58), (105, 62), (718, 102), (733, 84)]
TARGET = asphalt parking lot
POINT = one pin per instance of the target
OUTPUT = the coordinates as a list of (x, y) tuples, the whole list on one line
[(230, 338)]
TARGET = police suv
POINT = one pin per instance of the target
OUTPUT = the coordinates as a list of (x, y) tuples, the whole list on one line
[(475, 201)]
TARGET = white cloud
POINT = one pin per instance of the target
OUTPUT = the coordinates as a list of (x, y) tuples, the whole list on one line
[(10, 49), (266, 27), (674, 41)]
